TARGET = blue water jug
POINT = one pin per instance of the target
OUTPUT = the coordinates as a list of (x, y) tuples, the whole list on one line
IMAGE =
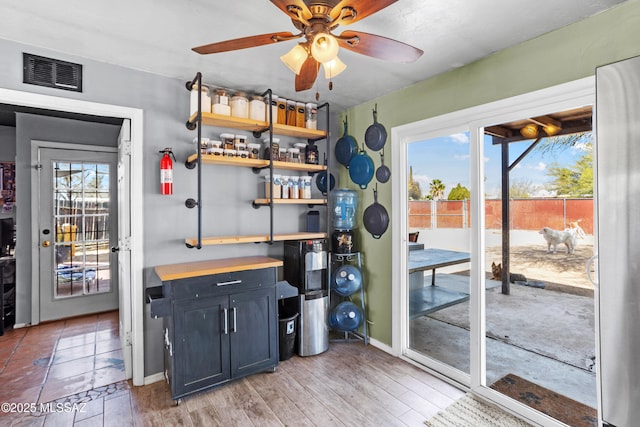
[(345, 204), (347, 279), (345, 317)]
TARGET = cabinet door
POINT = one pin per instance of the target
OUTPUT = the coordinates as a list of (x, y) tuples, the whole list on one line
[(201, 351), (254, 331)]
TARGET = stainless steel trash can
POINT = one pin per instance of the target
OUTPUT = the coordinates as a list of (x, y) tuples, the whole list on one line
[(313, 332)]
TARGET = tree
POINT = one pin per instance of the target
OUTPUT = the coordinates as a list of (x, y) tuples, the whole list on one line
[(436, 189), (575, 180), (459, 193), (520, 189), (415, 193)]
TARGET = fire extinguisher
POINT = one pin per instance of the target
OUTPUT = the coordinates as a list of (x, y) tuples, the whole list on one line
[(166, 172)]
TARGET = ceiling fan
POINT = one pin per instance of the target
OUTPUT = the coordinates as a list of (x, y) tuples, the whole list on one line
[(315, 20)]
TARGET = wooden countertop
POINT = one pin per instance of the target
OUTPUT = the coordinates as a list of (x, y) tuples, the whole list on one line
[(216, 266)]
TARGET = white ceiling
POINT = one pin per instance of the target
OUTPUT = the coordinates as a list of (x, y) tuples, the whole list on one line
[(157, 36)]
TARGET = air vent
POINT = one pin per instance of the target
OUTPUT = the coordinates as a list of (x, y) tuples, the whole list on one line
[(49, 72)]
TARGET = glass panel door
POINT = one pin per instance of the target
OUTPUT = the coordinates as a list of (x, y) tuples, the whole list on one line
[(438, 288)]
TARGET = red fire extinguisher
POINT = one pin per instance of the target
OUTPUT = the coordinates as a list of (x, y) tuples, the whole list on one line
[(166, 172)]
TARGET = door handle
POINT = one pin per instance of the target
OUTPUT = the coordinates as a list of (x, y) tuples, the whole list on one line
[(46, 244), (115, 249), (235, 320), (225, 331)]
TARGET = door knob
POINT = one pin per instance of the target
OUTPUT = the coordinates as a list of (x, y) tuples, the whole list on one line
[(46, 244)]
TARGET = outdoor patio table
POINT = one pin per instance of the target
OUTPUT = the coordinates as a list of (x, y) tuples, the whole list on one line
[(432, 258)]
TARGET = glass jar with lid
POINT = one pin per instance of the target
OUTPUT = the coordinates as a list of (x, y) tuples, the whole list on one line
[(220, 102), (205, 100), (311, 116), (257, 108), (240, 105)]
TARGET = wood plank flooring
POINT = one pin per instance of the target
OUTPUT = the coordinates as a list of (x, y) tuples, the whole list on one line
[(349, 385)]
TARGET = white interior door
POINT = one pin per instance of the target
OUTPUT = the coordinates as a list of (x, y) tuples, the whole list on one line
[(124, 242), (77, 227)]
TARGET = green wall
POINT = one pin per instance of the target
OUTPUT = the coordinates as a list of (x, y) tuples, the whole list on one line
[(567, 54)]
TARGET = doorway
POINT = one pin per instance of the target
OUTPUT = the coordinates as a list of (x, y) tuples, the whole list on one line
[(78, 227), (480, 312), (131, 283)]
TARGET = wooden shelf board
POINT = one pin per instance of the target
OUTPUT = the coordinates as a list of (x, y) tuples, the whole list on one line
[(291, 201), (257, 238), (211, 119), (255, 163), (206, 268)]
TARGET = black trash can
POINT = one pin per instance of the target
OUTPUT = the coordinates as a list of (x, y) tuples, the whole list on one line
[(287, 336)]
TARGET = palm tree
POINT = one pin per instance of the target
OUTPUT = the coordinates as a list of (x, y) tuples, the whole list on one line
[(436, 189)]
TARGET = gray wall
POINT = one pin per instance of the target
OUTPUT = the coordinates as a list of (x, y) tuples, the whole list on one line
[(227, 192), (7, 144)]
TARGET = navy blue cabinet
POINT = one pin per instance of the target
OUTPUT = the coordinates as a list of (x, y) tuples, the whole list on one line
[(218, 327)]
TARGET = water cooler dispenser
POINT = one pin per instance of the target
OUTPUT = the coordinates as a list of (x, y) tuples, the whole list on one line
[(305, 266)]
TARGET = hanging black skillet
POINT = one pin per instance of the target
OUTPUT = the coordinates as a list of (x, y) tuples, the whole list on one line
[(383, 173), (376, 218), (346, 147), (376, 134)]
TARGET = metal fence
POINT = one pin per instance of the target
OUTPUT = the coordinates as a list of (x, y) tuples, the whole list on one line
[(525, 214)]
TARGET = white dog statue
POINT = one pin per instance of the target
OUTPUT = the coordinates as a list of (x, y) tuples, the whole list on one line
[(556, 237)]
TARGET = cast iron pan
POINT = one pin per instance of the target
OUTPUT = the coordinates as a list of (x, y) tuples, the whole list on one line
[(376, 218), (361, 169), (376, 134), (383, 173), (346, 147), (321, 179)]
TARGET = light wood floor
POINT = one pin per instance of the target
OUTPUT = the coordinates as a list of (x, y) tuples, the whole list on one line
[(349, 385)]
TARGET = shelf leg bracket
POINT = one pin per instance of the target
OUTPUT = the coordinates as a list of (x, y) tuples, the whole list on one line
[(190, 203)]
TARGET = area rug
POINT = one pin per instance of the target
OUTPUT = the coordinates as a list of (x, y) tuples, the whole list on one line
[(547, 401), (473, 412)]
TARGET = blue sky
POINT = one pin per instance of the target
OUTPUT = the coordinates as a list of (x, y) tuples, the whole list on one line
[(447, 159)]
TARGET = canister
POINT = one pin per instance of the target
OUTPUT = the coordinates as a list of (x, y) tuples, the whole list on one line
[(220, 102), (240, 105), (294, 187), (229, 152), (302, 147), (293, 155), (282, 111), (285, 186), (282, 155), (205, 101), (272, 152), (305, 187), (216, 151), (276, 186), (274, 109), (257, 108), (291, 112), (311, 155), (300, 114), (204, 143), (254, 150), (241, 150), (239, 139), (311, 116), (227, 140)]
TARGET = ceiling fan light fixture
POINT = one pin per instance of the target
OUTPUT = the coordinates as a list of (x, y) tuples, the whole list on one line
[(324, 47), (333, 68), (295, 58), (530, 131)]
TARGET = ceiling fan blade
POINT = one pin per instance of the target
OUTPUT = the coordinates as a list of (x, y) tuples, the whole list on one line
[(308, 74), (283, 5), (244, 42), (378, 47), (363, 9)]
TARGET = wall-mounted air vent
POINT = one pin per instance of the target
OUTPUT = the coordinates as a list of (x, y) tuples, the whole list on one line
[(49, 72)]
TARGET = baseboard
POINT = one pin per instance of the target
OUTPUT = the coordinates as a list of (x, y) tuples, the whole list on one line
[(154, 378), (382, 346)]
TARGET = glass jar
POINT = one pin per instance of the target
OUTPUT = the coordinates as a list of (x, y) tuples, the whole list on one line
[(301, 146), (229, 152), (311, 154), (272, 152), (305, 187), (240, 105), (204, 144), (300, 114), (254, 150), (294, 187), (257, 108), (311, 116), (276, 186), (241, 150), (205, 100), (291, 112), (220, 102), (293, 155), (282, 111), (282, 155), (227, 140)]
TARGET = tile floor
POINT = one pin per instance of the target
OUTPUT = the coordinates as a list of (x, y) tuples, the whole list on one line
[(47, 362)]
